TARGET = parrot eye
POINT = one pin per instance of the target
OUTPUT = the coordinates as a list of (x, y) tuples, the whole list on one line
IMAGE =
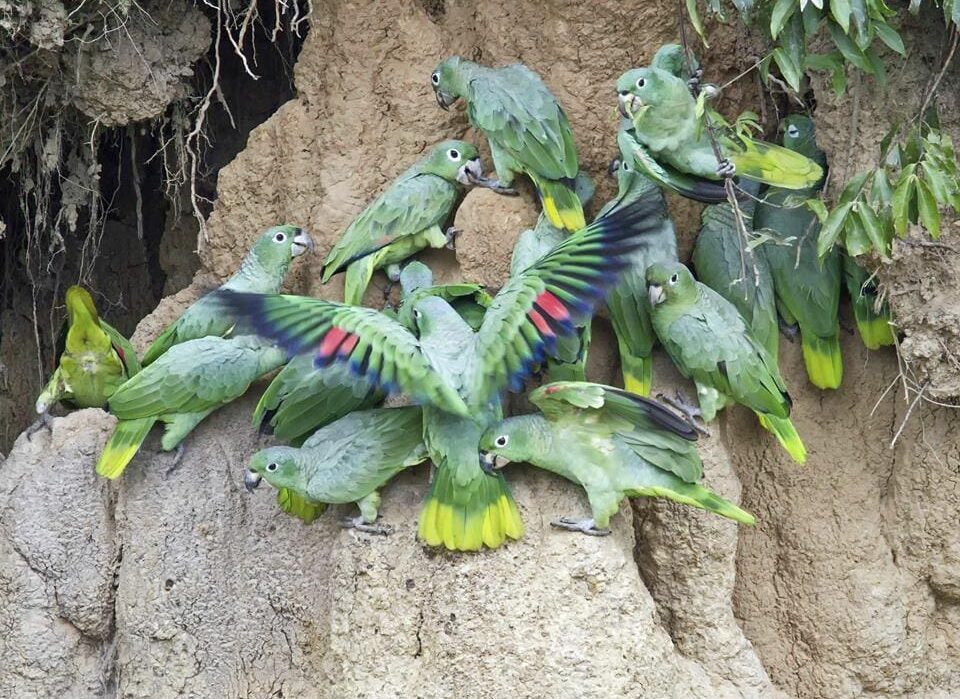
[(272, 467), (435, 78), (640, 83), (793, 131), (417, 314), (501, 441), (279, 237), (674, 278), (626, 166), (453, 154)]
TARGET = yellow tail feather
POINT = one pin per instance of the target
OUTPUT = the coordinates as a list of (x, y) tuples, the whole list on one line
[(875, 330), (123, 445), (823, 360), (560, 204), (637, 373), (775, 165), (786, 434)]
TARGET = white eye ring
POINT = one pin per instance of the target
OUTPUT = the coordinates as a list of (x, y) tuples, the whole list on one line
[(453, 154), (674, 278), (435, 78), (272, 467), (626, 166), (640, 83), (279, 237), (417, 313), (501, 441), (793, 131)]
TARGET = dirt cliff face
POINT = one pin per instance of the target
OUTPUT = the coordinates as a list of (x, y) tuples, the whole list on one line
[(178, 583)]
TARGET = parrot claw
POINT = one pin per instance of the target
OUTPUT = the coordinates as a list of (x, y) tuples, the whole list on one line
[(42, 422), (177, 458), (584, 526), (361, 526), (726, 169), (689, 411), (493, 184), (788, 331), (694, 82), (452, 234)]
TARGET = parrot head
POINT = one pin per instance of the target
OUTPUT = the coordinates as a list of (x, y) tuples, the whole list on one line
[(641, 88), (414, 276), (434, 317), (799, 135), (278, 245), (447, 82), (670, 282), (454, 161), (278, 465), (513, 439)]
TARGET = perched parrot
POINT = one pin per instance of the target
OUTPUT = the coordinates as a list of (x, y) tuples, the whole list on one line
[(455, 372), (527, 129), (873, 321), (95, 361), (709, 342), (187, 383), (663, 112), (726, 264), (347, 461), (408, 217), (533, 244), (261, 271), (613, 443), (807, 288), (627, 303)]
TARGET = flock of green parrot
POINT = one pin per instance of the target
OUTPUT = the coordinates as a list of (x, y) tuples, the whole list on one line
[(453, 349)]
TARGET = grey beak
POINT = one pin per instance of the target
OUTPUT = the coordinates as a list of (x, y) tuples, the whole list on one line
[(441, 101), (655, 294), (613, 167), (488, 462), (627, 104), (302, 242), (470, 171), (251, 480)]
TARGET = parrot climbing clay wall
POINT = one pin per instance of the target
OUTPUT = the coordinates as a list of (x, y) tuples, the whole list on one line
[(180, 583)]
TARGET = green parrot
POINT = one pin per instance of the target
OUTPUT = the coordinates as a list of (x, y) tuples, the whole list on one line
[(262, 271), (613, 443), (627, 303), (709, 342), (187, 383), (807, 287), (409, 216), (527, 129), (727, 265), (533, 244), (663, 112), (347, 461), (455, 372), (873, 320), (95, 361)]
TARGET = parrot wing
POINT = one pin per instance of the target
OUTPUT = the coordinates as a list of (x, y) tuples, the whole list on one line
[(519, 113), (374, 345), (123, 348), (412, 204), (552, 298)]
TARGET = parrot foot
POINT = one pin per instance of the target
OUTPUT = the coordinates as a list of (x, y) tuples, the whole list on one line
[(694, 82), (791, 332), (452, 234), (492, 183), (360, 525), (613, 167), (726, 168), (690, 412), (177, 458), (584, 526), (42, 422)]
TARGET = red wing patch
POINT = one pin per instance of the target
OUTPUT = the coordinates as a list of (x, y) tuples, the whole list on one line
[(348, 344), (331, 341), (123, 357), (551, 305), (541, 324)]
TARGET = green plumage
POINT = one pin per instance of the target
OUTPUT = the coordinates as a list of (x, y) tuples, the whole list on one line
[(95, 362), (180, 389), (409, 216), (613, 443), (807, 287), (871, 315), (262, 271), (725, 263), (709, 342)]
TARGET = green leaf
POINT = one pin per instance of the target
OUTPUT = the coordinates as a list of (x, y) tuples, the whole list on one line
[(937, 181), (855, 238), (817, 206), (915, 6), (888, 137), (695, 19), (863, 36), (902, 194), (854, 187), (890, 37), (812, 14), (929, 213), (877, 67), (831, 229), (782, 11), (881, 194), (873, 228), (912, 149), (790, 70), (840, 9), (849, 50), (743, 6)]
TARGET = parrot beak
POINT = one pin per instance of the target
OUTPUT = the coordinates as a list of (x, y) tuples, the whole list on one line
[(656, 294), (251, 479), (490, 463), (470, 172), (444, 100), (302, 242), (628, 104), (613, 167)]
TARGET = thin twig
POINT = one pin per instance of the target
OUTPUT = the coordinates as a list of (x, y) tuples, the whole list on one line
[(909, 412)]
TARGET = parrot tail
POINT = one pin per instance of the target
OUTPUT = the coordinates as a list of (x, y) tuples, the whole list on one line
[(560, 203), (698, 496), (298, 506), (566, 371), (637, 372), (875, 329), (786, 434), (469, 516), (124, 443), (357, 279), (823, 359)]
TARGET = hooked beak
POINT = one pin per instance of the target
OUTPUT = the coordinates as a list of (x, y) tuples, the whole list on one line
[(613, 167), (470, 172), (490, 463), (628, 104), (656, 294), (301, 243), (251, 479), (443, 99)]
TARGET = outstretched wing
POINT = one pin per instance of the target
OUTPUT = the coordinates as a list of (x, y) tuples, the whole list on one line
[(652, 431), (122, 347), (554, 296), (519, 113), (412, 204), (372, 344)]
